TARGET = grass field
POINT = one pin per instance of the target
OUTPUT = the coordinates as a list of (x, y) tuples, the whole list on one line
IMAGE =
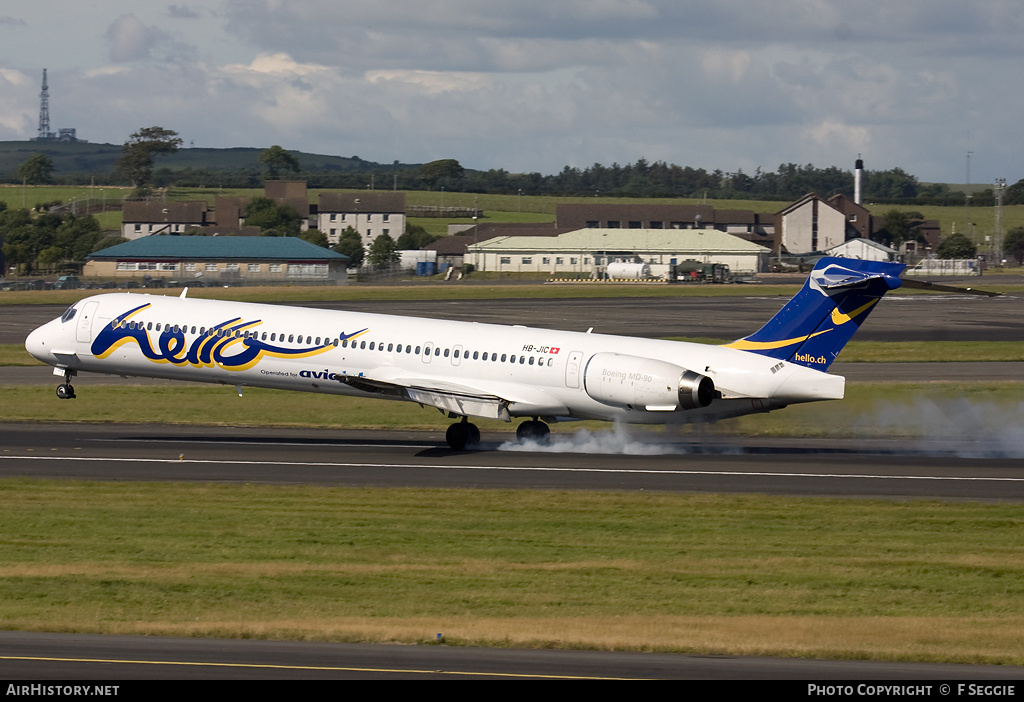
[(706, 574), (976, 222), (702, 574)]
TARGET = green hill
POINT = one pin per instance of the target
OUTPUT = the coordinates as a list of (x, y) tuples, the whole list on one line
[(78, 158)]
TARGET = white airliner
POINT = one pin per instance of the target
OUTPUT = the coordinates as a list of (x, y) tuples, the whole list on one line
[(466, 369)]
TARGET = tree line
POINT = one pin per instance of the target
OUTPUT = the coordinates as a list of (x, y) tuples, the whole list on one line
[(789, 181)]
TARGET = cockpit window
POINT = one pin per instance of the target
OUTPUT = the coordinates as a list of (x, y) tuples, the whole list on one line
[(69, 314)]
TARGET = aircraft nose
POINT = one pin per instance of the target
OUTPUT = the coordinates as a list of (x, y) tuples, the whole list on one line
[(36, 344)]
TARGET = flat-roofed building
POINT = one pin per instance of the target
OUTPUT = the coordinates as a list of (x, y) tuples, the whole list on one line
[(220, 259), (587, 252), (746, 224)]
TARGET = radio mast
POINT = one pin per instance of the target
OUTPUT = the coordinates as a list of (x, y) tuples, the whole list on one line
[(44, 113)]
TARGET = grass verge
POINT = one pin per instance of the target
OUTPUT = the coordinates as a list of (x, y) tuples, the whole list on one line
[(693, 573), (970, 413)]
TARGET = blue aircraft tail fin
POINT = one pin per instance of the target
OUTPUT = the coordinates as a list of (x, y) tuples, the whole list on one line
[(812, 328)]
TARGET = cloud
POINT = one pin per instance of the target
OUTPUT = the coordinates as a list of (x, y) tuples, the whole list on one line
[(182, 12), (536, 85), (130, 40), (430, 82), (19, 92)]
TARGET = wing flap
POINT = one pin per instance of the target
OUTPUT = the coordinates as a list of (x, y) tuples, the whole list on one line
[(491, 401), (447, 397)]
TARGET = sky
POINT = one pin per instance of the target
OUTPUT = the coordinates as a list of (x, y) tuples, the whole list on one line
[(929, 86)]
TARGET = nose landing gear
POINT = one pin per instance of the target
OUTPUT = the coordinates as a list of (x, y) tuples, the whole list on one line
[(65, 390)]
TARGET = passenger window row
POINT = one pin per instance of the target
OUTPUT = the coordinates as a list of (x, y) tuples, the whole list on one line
[(491, 356)]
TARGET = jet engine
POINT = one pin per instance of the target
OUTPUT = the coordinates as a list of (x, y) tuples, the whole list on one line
[(644, 383)]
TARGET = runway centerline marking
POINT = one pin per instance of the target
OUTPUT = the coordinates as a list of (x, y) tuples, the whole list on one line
[(543, 469), (276, 666), (260, 443)]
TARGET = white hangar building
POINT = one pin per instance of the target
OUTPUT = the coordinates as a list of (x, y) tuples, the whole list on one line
[(588, 251)]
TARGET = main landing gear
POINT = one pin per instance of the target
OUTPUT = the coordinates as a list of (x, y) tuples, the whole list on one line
[(463, 435), (533, 430)]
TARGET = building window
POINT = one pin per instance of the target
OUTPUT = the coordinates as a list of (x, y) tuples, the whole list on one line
[(527, 260), (506, 260), (276, 267), (190, 266), (307, 270), (253, 268)]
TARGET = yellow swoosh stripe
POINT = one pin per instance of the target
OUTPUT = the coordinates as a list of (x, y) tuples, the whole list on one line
[(744, 345), (840, 318)]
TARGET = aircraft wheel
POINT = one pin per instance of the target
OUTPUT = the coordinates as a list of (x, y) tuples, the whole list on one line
[(65, 391), (462, 434), (533, 430)]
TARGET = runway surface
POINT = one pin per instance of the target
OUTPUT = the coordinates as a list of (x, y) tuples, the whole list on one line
[(34, 657), (880, 468)]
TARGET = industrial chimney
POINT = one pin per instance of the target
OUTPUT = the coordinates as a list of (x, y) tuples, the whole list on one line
[(858, 172)]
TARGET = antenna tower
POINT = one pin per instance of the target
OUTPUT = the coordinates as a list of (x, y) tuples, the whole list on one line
[(44, 112)]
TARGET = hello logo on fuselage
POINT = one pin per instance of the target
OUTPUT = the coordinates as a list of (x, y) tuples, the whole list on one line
[(226, 345)]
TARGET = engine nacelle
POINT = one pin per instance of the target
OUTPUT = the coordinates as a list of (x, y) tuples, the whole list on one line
[(644, 383)]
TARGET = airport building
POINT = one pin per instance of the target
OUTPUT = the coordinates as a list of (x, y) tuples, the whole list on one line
[(220, 260), (756, 227), (587, 252)]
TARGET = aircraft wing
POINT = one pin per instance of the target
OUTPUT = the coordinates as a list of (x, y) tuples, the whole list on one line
[(491, 400)]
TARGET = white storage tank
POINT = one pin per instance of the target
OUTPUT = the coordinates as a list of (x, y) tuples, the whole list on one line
[(628, 271)]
